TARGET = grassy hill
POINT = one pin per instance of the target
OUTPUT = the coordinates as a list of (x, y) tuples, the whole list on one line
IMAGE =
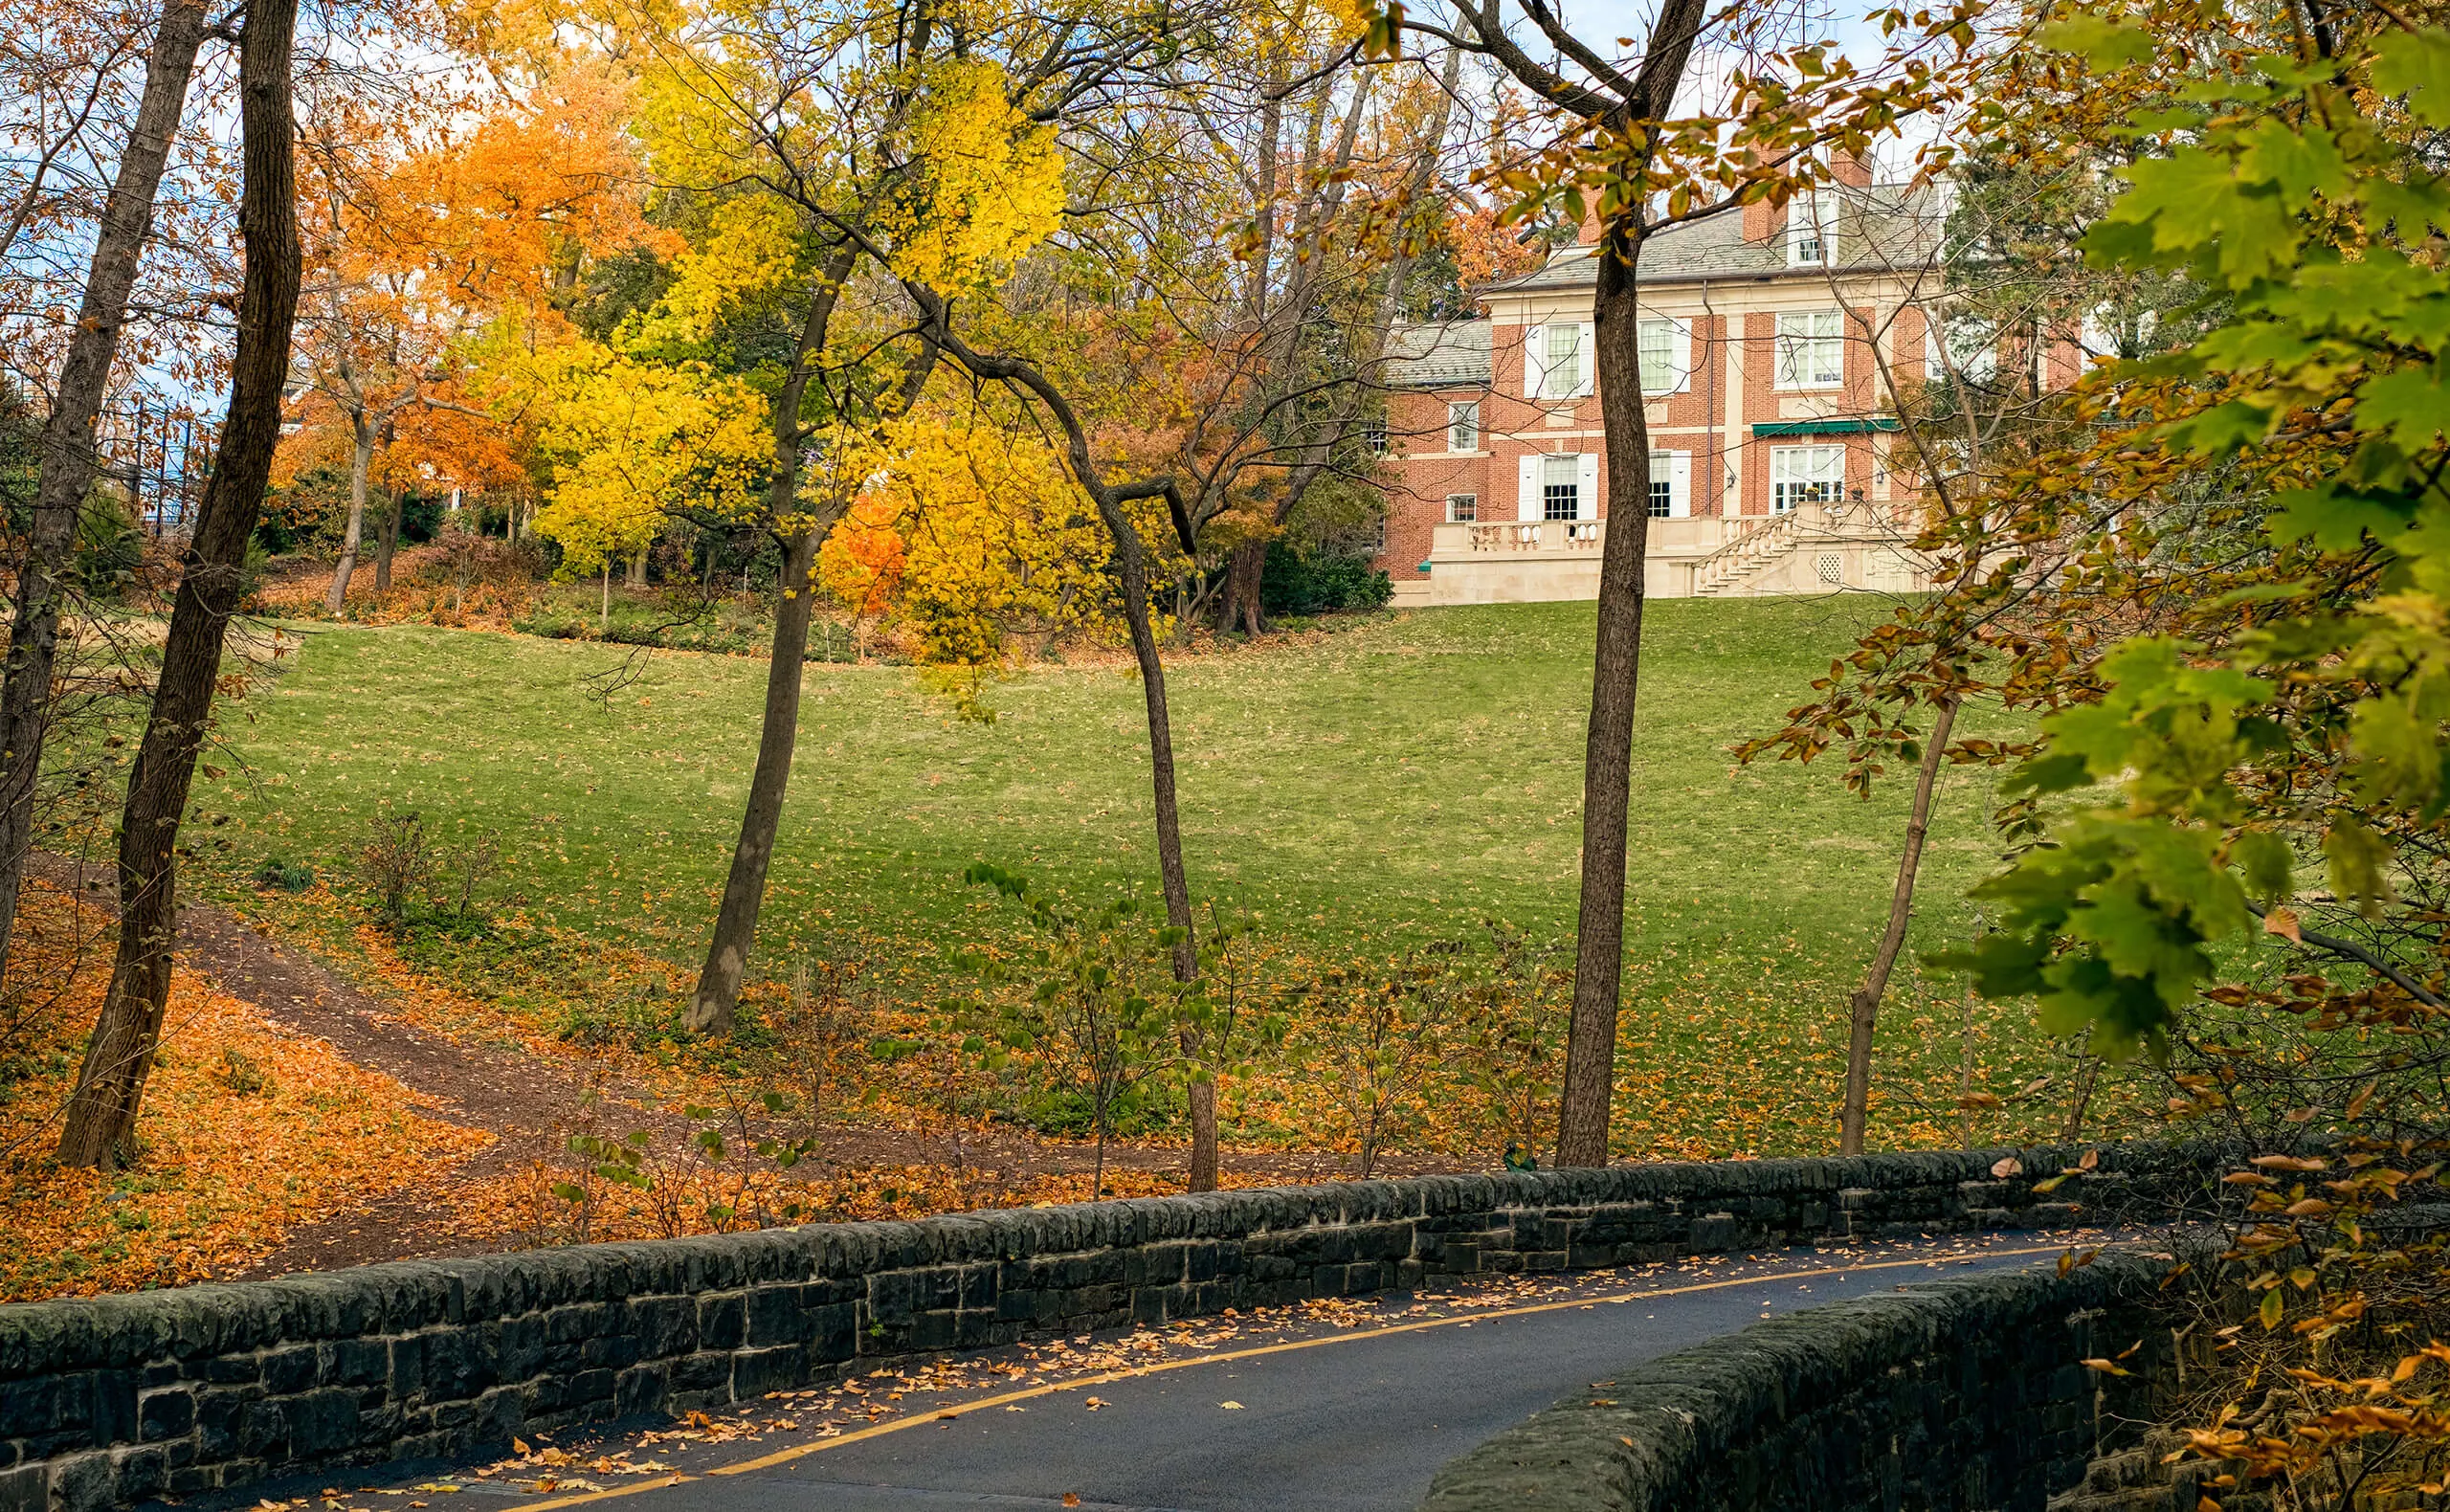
[(1364, 790)]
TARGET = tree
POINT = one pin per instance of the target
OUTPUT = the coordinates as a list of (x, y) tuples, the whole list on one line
[(1624, 158), (100, 1118), (632, 443), (855, 138), (431, 259), (69, 434)]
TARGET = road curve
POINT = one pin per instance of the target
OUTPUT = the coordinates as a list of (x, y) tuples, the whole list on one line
[(1344, 1408)]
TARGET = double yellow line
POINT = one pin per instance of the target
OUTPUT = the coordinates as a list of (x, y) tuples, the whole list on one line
[(784, 1456)]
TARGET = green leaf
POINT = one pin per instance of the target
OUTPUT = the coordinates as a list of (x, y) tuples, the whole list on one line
[(2415, 64), (2268, 864), (2411, 406), (2106, 43), (2358, 857)]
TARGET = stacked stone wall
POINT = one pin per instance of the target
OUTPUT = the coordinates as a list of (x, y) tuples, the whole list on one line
[(1964, 1394), (118, 1399)]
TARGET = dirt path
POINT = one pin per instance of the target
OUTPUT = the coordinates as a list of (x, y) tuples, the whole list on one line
[(519, 1097)]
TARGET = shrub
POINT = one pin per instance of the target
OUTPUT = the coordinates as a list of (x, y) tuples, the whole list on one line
[(278, 876), (397, 858), (1316, 580)]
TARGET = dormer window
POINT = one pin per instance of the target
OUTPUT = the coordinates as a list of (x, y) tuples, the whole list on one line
[(1812, 229)]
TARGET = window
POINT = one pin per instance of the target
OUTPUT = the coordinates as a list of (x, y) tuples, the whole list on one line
[(1463, 427), (1560, 359), (1461, 509), (1663, 356), (1805, 474), (1671, 485), (1812, 229), (1561, 487), (1374, 536), (1811, 349), (1373, 435), (1971, 352)]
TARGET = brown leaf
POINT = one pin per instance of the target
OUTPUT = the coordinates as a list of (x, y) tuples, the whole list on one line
[(1070, 1498), (2282, 922), (2008, 1167)]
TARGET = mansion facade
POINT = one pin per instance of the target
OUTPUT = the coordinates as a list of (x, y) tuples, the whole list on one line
[(1773, 462)]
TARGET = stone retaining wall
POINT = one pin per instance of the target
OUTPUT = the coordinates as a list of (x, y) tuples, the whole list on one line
[(1965, 1394), (117, 1399)]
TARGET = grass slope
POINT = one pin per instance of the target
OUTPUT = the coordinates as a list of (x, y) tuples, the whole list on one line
[(1391, 783)]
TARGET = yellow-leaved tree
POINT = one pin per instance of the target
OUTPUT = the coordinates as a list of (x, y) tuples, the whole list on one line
[(992, 543), (629, 443), (821, 155)]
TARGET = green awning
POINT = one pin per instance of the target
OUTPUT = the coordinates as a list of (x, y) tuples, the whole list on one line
[(1849, 427)]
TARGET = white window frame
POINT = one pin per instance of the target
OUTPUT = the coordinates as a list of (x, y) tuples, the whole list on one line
[(1543, 378), (1532, 476), (1374, 438), (1673, 342), (1973, 350), (1812, 229), (1798, 473), (1671, 480), (1811, 349), (1455, 519), (1463, 425)]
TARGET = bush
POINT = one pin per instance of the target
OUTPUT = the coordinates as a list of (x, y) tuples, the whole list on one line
[(1316, 581), (284, 876)]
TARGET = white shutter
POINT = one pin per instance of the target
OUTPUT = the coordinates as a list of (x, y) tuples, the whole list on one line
[(1535, 351), (1682, 354), (1526, 498), (1679, 485), (1586, 349), (1586, 491)]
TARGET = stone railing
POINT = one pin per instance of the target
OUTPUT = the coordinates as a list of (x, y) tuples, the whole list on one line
[(1537, 535), (118, 1399), (1965, 1394)]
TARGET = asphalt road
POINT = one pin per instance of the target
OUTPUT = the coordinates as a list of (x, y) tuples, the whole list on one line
[(1336, 1407)]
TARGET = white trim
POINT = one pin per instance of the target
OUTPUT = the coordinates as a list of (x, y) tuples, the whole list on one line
[(1677, 470)]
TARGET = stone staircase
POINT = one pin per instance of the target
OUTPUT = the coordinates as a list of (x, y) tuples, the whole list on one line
[(1774, 537)]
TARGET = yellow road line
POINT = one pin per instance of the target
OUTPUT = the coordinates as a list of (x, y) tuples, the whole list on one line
[(900, 1424)]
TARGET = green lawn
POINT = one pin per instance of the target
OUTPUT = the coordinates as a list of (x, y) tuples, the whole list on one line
[(1391, 783)]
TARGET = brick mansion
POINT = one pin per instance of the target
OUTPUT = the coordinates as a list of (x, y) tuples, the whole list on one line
[(1776, 465)]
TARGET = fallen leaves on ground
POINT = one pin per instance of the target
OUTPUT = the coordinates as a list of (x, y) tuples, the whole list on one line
[(247, 1131)]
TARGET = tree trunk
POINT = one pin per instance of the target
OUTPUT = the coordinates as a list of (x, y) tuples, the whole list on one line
[(1203, 1136), (604, 605), (717, 1000), (1237, 607), (1865, 1014), (1132, 563), (68, 460), (638, 576), (388, 542), (1599, 942), (718, 997), (360, 463), (100, 1119)]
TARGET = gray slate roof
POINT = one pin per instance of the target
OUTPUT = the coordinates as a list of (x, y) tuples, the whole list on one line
[(1879, 228), (1438, 354)]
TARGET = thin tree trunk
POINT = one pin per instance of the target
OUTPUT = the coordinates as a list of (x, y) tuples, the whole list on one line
[(100, 1119), (1864, 1016), (715, 1002), (68, 460), (360, 463), (1608, 754), (717, 996), (604, 605)]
